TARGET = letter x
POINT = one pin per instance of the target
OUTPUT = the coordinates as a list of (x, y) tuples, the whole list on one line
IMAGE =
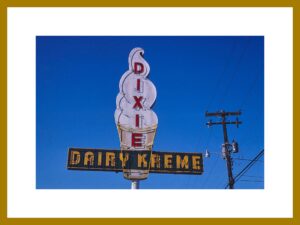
[(138, 103)]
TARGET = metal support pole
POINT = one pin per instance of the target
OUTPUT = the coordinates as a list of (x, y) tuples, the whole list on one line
[(135, 184)]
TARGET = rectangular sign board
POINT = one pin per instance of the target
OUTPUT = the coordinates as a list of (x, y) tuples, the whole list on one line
[(117, 160)]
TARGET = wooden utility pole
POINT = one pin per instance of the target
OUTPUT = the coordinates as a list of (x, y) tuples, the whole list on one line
[(227, 152)]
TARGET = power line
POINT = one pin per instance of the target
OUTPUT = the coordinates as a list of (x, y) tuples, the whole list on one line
[(257, 181), (252, 176), (190, 180), (247, 167), (235, 72), (249, 91), (215, 162), (217, 84), (210, 171), (221, 75), (243, 159), (251, 87)]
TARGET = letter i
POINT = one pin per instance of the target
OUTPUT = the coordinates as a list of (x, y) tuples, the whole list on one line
[(137, 120), (139, 85)]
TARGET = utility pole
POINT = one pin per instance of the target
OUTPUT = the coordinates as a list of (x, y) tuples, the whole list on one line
[(227, 152)]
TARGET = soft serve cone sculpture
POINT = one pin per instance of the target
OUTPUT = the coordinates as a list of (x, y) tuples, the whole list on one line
[(136, 122)]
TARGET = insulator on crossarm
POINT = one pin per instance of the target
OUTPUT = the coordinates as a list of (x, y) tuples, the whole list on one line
[(207, 154), (209, 124)]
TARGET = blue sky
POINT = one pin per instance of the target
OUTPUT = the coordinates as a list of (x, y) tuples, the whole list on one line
[(77, 84)]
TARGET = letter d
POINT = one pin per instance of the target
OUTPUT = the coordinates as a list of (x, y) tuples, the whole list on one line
[(138, 68)]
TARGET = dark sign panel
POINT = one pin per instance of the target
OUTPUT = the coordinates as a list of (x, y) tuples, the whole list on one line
[(116, 160)]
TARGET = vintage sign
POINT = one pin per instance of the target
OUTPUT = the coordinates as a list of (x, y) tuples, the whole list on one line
[(152, 161), (136, 121), (136, 124)]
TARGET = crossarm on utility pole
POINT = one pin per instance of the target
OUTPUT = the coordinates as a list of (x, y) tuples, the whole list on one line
[(223, 113), (209, 123)]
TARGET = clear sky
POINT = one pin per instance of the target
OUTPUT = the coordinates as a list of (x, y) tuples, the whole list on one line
[(76, 87)]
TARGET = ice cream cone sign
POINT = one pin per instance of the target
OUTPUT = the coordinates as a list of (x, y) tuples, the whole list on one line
[(136, 121)]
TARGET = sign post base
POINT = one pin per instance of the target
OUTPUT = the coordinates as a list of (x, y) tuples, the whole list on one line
[(135, 184)]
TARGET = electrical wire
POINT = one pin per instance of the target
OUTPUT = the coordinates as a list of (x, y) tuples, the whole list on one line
[(212, 98), (243, 159), (252, 176), (247, 167), (251, 87), (206, 146), (258, 181), (238, 176), (226, 66), (213, 167), (210, 172), (235, 72), (221, 75), (249, 91)]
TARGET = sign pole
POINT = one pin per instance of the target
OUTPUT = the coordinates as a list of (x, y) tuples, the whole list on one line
[(135, 184)]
